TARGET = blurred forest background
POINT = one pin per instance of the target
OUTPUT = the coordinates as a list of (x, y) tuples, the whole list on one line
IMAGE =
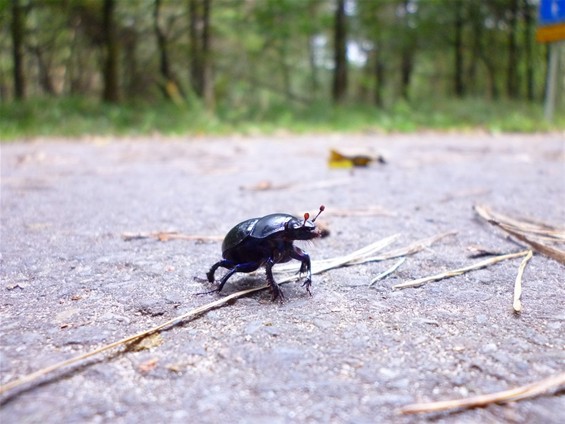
[(175, 66)]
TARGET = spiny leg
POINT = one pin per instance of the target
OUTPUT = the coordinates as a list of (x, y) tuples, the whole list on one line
[(233, 268), (275, 289), (300, 255), (223, 263)]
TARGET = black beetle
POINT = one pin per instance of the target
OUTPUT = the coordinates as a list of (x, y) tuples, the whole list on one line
[(266, 241)]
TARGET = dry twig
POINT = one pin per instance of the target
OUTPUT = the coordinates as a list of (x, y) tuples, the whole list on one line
[(540, 236), (371, 210), (358, 257), (125, 341), (317, 267), (476, 251), (414, 247), (523, 392), (517, 304), (168, 235), (266, 185), (459, 271), (387, 272)]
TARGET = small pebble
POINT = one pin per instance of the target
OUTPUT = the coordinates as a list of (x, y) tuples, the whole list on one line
[(489, 347), (481, 319)]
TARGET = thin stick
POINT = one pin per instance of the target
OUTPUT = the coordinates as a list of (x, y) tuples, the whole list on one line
[(526, 226), (412, 248), (531, 233), (361, 256), (367, 211), (519, 393), (336, 262), (517, 304), (352, 258), (387, 272), (197, 311), (552, 252), (459, 271), (168, 235)]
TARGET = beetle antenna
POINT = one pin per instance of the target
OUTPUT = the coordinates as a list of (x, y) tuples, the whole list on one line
[(322, 208), (306, 216)]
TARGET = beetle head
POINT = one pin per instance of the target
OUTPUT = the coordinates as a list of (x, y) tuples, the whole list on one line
[(304, 230)]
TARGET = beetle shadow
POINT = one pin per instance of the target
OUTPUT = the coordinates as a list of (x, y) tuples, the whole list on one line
[(243, 283), (235, 284)]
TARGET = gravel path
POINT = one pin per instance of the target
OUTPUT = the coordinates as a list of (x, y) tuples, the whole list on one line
[(348, 354)]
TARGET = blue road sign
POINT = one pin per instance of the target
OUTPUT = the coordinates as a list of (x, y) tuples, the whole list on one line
[(551, 12)]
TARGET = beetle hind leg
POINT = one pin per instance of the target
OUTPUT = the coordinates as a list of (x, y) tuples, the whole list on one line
[(224, 264), (233, 268), (210, 274)]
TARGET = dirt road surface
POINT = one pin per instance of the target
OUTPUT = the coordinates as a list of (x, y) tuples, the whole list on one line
[(349, 353)]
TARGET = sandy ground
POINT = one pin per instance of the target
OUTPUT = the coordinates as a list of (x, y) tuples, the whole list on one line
[(70, 283)]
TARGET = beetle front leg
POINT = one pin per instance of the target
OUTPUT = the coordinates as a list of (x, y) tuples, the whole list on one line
[(275, 289), (306, 266)]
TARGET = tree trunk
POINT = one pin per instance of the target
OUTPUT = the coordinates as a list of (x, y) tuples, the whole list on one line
[(18, 29), (311, 34), (490, 65), (164, 66), (458, 84), (528, 47), (491, 79), (43, 71), (207, 77), (379, 79), (407, 55), (111, 93), (200, 63), (512, 73), (285, 69), (195, 72), (314, 84), (168, 83), (476, 19), (406, 73), (132, 83), (340, 52)]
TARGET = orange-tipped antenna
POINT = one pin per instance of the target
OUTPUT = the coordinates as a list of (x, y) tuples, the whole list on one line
[(322, 208), (306, 216)]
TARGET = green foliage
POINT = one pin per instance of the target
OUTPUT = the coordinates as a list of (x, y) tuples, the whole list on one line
[(267, 57), (76, 117)]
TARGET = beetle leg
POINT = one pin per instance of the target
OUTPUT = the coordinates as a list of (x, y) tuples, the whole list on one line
[(275, 289), (224, 263), (233, 268), (246, 267), (300, 255), (225, 278)]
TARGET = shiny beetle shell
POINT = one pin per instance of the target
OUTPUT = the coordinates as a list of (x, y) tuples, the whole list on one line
[(266, 241)]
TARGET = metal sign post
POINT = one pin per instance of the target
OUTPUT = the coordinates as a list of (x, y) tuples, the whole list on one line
[(551, 30)]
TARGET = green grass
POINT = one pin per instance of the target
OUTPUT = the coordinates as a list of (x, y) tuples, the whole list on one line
[(75, 117)]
